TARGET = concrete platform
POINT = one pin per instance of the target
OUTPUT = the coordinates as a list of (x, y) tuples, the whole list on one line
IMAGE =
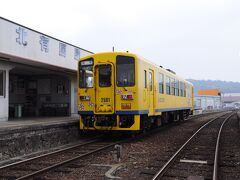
[(39, 121), (19, 137)]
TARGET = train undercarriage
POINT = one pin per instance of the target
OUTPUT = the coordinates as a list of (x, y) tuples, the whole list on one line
[(130, 122)]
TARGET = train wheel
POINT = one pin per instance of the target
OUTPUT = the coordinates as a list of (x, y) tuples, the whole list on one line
[(83, 132), (170, 117), (134, 134), (181, 116)]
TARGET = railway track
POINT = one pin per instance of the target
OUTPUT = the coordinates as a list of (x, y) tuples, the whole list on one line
[(229, 154), (39, 165), (198, 157)]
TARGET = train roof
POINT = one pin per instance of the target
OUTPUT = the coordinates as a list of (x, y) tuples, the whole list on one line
[(166, 71)]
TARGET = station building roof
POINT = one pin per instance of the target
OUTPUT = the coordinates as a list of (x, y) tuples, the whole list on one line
[(23, 45), (209, 92)]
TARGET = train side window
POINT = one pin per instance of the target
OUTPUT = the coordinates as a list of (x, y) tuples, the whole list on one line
[(177, 87), (145, 79), (188, 91), (161, 83), (168, 85), (181, 89), (172, 86), (192, 92), (184, 89), (150, 81)]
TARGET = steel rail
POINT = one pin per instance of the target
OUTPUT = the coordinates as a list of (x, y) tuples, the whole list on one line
[(47, 154), (161, 172), (215, 168), (65, 162), (201, 115)]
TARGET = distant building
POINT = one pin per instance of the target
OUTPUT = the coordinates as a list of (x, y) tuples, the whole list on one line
[(209, 92), (231, 100), (208, 99)]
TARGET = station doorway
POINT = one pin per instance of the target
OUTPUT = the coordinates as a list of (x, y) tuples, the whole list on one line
[(38, 92)]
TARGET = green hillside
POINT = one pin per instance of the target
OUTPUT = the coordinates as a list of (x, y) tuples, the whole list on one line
[(224, 86)]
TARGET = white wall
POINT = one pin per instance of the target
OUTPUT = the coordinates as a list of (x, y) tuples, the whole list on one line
[(19, 41), (74, 100), (4, 100), (204, 102)]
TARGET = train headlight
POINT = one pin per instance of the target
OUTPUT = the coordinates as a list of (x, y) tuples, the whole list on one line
[(127, 97), (85, 98)]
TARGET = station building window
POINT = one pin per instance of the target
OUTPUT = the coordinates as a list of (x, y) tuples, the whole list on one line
[(2, 82), (37, 95)]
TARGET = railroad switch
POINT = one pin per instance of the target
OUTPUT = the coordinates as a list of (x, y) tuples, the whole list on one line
[(118, 152)]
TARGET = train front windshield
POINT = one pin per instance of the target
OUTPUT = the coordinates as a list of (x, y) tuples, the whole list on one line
[(86, 74), (125, 71)]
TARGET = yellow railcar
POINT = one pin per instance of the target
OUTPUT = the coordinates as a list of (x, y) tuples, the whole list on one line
[(122, 91)]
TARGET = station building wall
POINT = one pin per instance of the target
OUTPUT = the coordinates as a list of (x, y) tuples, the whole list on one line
[(4, 93), (35, 47), (22, 46)]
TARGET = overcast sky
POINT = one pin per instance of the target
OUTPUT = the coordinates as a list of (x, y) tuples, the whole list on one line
[(198, 39)]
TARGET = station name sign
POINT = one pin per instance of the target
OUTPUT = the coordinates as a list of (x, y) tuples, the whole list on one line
[(44, 41)]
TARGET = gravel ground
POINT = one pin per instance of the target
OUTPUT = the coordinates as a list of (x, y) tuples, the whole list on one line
[(137, 157), (229, 161), (202, 147), (30, 155)]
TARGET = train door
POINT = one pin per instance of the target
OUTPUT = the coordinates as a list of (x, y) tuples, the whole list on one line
[(151, 92), (104, 90)]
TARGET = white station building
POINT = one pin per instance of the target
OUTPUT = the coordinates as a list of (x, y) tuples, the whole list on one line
[(38, 73)]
